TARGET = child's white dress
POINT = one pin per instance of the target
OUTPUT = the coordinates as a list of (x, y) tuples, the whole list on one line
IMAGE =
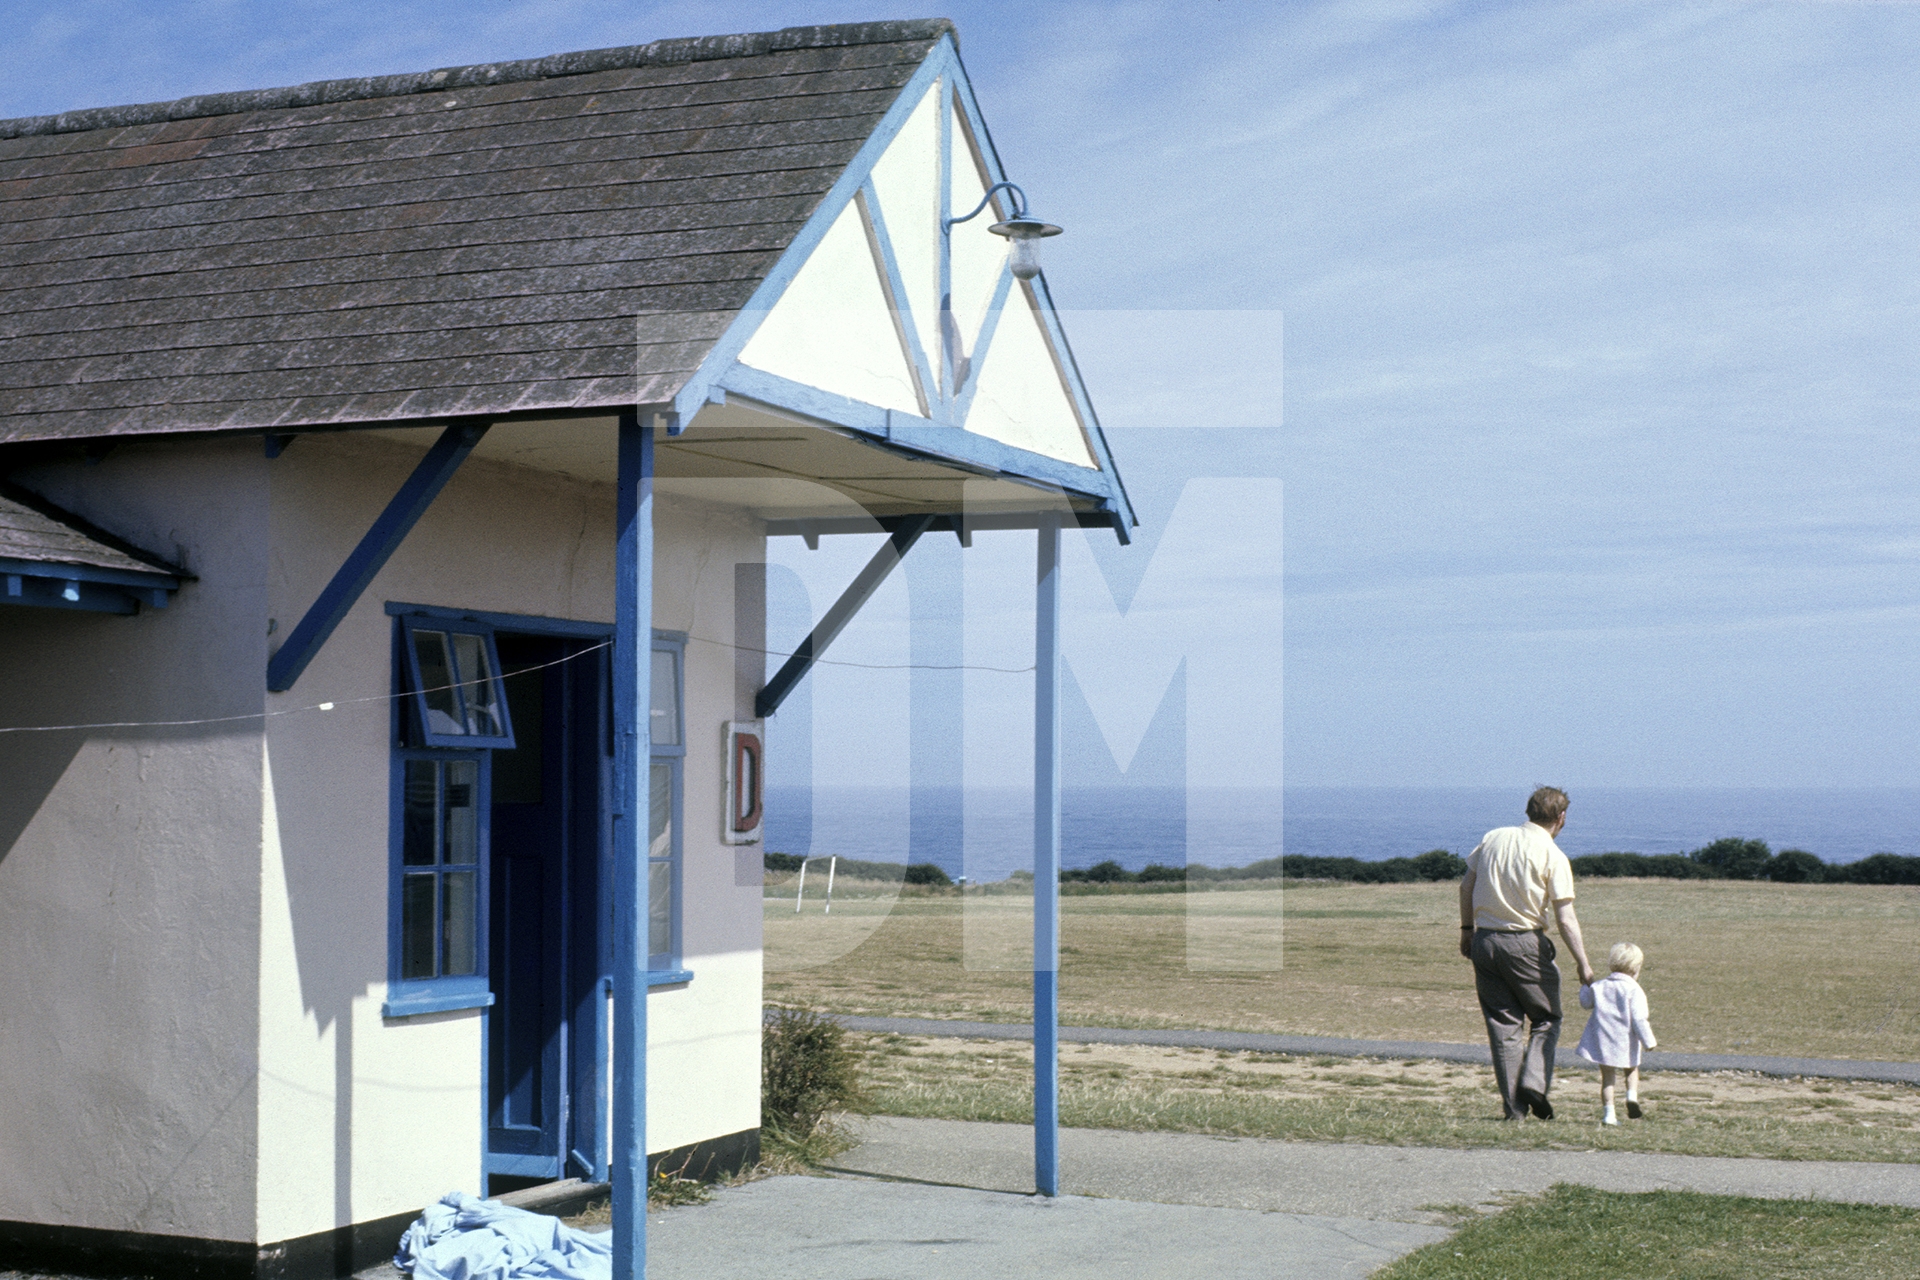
[(1618, 1028)]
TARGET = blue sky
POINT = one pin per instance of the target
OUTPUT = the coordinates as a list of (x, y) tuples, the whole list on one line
[(1583, 336)]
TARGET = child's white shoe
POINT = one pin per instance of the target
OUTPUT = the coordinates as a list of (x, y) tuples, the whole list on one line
[(1609, 1122)]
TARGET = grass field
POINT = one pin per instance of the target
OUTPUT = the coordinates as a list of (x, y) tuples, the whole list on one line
[(1397, 1103), (1577, 1233), (1806, 970)]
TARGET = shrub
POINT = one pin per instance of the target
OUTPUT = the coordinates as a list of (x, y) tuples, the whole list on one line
[(1796, 866), (1154, 873), (1734, 858), (807, 1072), (1664, 866), (1108, 872), (1439, 864), (927, 873), (1881, 868), (783, 861)]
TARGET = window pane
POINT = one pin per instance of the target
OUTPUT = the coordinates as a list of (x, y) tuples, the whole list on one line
[(659, 907), (436, 679), (476, 685), (462, 823), (666, 699), (418, 806), (660, 811), (416, 925), (457, 929)]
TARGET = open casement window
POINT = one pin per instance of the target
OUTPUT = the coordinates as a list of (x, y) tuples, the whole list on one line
[(453, 674), (437, 947)]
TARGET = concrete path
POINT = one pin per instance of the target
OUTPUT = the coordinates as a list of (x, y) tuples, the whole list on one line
[(1826, 1068), (947, 1200), (862, 1229), (1345, 1180)]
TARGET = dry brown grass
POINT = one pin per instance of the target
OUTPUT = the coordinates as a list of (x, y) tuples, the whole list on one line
[(1732, 967)]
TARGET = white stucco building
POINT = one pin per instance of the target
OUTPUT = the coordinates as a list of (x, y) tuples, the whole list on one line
[(388, 472)]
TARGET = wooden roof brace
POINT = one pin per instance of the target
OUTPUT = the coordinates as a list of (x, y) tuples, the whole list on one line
[(891, 552), (375, 549)]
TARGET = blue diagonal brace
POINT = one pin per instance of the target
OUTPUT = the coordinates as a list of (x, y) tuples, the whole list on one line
[(382, 540), (768, 700)]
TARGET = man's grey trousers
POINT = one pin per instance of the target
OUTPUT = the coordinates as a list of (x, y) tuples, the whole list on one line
[(1519, 987)]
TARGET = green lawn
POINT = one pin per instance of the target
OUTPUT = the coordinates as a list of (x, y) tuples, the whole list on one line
[(1576, 1233)]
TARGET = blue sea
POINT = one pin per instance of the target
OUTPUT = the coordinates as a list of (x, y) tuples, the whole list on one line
[(988, 832)]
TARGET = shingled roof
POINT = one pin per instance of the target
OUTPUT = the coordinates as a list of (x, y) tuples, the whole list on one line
[(478, 240)]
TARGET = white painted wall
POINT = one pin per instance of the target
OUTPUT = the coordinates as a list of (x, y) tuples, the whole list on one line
[(393, 1119), (129, 865), (193, 921), (704, 1038)]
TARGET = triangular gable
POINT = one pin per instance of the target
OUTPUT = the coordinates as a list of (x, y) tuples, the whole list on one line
[(834, 327), (879, 306)]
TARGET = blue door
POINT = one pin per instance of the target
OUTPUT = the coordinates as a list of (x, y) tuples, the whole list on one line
[(545, 1031)]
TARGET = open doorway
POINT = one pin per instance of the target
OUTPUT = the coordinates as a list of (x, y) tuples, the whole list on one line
[(546, 1033)]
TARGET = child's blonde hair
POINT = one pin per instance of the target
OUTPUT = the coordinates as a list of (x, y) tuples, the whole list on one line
[(1624, 957)]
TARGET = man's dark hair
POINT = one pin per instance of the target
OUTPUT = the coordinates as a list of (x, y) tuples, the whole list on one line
[(1547, 806)]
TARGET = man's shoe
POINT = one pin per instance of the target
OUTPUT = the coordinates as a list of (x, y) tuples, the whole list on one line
[(1633, 1109), (1535, 1102)]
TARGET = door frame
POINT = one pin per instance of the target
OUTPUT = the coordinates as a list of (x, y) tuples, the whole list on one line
[(584, 1076)]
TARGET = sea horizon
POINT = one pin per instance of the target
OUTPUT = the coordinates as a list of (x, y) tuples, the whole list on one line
[(987, 832)]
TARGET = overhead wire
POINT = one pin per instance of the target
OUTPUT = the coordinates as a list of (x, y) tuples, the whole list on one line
[(389, 697)]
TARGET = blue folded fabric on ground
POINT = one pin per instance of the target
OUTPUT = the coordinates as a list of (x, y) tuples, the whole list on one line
[(466, 1238)]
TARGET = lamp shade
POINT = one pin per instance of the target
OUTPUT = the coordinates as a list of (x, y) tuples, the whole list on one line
[(1024, 231)]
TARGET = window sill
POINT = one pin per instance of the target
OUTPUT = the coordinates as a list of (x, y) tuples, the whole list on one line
[(440, 997), (655, 978)]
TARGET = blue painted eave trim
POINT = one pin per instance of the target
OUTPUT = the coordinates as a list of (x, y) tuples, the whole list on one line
[(140, 579), (41, 584), (917, 437)]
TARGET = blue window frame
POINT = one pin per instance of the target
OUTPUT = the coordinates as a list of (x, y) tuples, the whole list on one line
[(436, 942), (668, 732), (454, 673), (441, 802)]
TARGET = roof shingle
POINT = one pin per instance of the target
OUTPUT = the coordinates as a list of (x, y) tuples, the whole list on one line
[(476, 240)]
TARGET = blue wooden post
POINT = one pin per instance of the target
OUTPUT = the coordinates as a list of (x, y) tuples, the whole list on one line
[(632, 691), (1046, 862)]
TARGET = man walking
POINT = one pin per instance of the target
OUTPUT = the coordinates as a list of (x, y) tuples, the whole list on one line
[(1515, 877)]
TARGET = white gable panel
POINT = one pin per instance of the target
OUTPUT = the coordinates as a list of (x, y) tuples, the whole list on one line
[(832, 328), (1019, 399), (907, 181), (978, 254)]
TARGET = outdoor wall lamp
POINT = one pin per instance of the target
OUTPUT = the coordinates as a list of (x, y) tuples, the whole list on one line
[(1022, 229)]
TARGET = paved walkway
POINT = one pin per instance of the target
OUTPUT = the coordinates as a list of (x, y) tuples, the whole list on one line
[(863, 1229), (1828, 1068), (1341, 1179), (948, 1200)]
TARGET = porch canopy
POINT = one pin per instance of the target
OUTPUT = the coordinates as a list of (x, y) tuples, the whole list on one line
[(725, 264)]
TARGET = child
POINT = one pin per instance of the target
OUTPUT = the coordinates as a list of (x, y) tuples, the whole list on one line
[(1618, 1030)]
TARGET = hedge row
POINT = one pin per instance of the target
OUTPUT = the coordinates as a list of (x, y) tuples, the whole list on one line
[(1729, 859), (1734, 859), (858, 869)]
